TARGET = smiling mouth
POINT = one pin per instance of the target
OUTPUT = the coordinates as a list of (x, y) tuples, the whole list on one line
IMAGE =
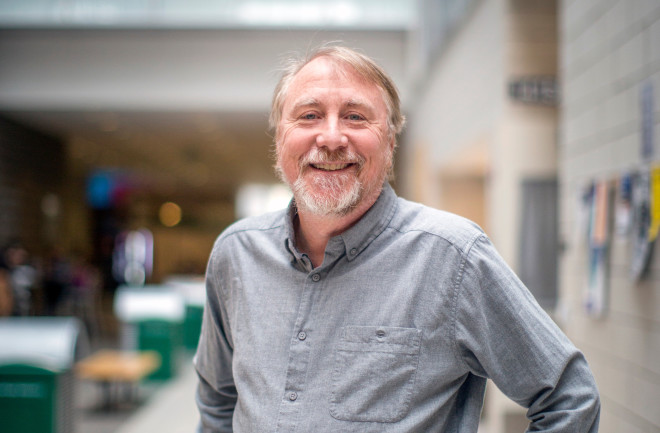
[(330, 166)]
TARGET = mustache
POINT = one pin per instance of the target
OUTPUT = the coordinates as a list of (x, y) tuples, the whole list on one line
[(324, 156)]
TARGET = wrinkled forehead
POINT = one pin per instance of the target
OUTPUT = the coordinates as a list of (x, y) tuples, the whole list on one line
[(327, 68)]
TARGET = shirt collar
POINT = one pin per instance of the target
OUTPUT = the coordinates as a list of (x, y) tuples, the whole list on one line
[(357, 238)]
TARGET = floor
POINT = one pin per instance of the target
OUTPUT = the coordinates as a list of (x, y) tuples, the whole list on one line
[(164, 407)]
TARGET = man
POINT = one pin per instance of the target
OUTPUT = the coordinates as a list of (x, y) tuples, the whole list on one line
[(358, 311)]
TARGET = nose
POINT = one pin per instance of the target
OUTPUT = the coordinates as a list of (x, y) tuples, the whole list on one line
[(331, 135)]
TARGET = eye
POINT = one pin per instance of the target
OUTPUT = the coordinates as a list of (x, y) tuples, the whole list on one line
[(354, 117), (309, 116)]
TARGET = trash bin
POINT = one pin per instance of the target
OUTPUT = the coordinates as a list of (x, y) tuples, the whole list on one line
[(152, 318), (193, 290), (37, 384)]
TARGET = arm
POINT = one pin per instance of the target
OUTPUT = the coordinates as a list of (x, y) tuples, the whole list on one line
[(216, 407), (216, 393), (503, 334)]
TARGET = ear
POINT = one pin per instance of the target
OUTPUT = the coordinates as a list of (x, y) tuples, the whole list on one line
[(392, 142)]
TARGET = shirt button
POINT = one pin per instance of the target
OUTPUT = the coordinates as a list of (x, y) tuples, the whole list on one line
[(316, 278), (293, 396), (353, 251), (302, 335)]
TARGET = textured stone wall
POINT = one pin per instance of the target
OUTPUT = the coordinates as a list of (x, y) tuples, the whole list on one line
[(610, 52)]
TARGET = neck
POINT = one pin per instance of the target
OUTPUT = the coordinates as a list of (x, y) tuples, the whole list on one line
[(314, 231)]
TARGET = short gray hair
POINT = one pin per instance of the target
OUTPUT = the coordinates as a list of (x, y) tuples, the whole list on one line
[(363, 65)]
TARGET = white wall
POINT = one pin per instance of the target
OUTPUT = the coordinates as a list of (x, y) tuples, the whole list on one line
[(457, 110), (464, 112), (465, 128), (463, 97), (609, 50)]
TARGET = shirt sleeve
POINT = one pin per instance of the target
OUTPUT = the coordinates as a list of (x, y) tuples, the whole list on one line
[(216, 393), (502, 333)]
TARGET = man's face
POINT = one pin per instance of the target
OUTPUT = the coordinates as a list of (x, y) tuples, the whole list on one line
[(333, 146)]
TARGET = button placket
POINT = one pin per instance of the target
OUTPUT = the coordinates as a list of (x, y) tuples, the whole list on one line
[(299, 354)]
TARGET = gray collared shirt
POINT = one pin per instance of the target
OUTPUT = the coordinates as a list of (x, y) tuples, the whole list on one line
[(397, 331)]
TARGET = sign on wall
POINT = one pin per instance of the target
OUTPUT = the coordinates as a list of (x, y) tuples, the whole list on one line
[(541, 90)]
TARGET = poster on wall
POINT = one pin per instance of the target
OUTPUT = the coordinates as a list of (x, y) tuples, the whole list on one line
[(600, 204), (583, 212), (654, 224), (623, 208), (648, 123), (642, 237), (645, 192)]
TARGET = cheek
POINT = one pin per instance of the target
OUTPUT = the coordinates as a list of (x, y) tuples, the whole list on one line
[(292, 142), (286, 162), (379, 162), (376, 149)]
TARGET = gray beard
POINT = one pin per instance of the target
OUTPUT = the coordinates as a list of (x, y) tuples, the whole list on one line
[(335, 200)]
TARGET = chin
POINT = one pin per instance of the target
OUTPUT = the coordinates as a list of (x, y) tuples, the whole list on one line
[(340, 202)]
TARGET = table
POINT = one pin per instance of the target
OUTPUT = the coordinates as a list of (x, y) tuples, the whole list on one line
[(109, 367)]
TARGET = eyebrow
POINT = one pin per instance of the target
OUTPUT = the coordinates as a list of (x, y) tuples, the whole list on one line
[(351, 103), (307, 102), (358, 103)]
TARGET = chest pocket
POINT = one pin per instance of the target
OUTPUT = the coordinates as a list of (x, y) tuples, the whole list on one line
[(374, 373)]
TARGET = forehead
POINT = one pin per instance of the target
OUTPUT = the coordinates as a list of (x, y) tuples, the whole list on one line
[(328, 68), (324, 74)]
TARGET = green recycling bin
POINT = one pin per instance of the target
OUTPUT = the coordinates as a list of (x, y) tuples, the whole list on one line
[(192, 326), (37, 384), (165, 338), (193, 290), (152, 318)]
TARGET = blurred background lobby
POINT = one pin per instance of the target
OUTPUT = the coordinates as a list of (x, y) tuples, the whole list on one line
[(132, 132)]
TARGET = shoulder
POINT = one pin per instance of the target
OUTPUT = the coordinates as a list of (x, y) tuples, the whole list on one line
[(412, 217), (271, 223)]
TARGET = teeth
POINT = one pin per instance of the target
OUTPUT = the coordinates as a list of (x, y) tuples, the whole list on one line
[(330, 167)]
